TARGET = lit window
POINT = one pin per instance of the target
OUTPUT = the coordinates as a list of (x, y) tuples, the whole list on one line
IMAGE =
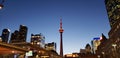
[(117, 17), (118, 6), (109, 13), (114, 16), (32, 36)]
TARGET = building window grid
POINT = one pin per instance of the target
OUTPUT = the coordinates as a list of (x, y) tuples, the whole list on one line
[(111, 8)]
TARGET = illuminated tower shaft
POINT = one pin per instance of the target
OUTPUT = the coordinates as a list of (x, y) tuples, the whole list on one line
[(61, 43)]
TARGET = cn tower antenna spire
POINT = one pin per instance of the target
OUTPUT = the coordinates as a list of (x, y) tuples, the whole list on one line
[(60, 23), (61, 42)]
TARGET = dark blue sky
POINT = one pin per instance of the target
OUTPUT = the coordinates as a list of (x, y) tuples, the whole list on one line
[(82, 20)]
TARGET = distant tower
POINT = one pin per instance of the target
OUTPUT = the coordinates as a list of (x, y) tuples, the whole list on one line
[(61, 43), (5, 35)]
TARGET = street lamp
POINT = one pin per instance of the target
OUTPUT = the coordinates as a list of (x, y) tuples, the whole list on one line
[(115, 45), (103, 54), (98, 56), (1, 4)]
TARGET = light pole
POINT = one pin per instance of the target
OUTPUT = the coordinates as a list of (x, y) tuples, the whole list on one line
[(115, 52), (1, 4), (103, 54), (98, 56), (114, 45)]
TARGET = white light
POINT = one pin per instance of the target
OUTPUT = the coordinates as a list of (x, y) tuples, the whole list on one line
[(9, 30), (103, 52), (30, 53), (0, 39), (101, 38), (38, 43), (98, 56), (1, 6), (114, 45)]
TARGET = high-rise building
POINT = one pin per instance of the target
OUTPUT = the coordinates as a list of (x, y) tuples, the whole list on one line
[(103, 46), (15, 37), (38, 40), (19, 36), (61, 38), (113, 9), (5, 35), (113, 43), (95, 43), (23, 33), (50, 46)]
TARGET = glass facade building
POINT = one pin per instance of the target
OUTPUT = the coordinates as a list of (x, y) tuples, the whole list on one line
[(14, 37), (5, 35), (23, 33), (38, 40), (50, 46), (19, 36), (113, 10), (111, 47)]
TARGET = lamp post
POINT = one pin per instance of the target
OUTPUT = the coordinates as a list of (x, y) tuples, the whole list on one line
[(98, 56), (1, 4), (103, 54), (114, 46)]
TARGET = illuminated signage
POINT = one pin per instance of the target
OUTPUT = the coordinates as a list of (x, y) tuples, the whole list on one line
[(30, 53)]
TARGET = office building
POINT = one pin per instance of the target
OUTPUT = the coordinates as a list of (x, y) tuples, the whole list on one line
[(19, 36), (5, 35), (113, 9), (111, 47), (95, 43), (23, 33), (38, 40), (50, 46), (15, 37), (103, 46)]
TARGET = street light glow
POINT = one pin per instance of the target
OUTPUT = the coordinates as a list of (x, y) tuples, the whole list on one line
[(114, 45), (1, 6)]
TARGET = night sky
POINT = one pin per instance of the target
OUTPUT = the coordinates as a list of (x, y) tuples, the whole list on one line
[(82, 20)]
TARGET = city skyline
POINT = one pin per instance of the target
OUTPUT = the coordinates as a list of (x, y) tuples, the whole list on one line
[(81, 22)]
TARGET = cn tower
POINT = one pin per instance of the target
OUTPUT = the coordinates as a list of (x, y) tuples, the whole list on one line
[(61, 43)]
